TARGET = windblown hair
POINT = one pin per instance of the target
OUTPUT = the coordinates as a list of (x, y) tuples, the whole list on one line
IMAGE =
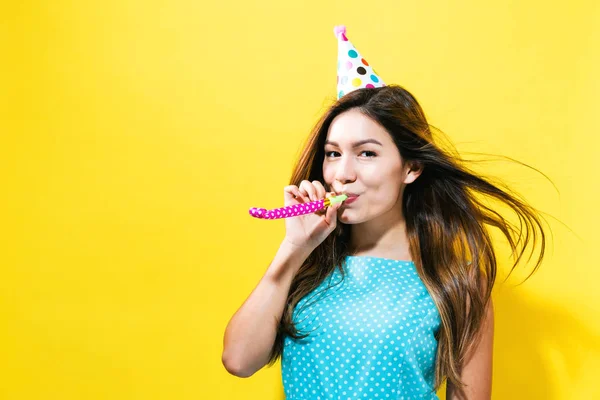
[(447, 224)]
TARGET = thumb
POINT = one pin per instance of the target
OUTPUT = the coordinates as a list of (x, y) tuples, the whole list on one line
[(331, 215)]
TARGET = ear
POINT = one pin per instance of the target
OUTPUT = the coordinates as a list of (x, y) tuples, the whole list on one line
[(413, 170)]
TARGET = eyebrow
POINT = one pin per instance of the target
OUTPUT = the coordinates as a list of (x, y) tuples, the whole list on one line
[(355, 144)]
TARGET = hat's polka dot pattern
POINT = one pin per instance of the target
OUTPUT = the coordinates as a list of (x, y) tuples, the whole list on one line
[(351, 68), (371, 335)]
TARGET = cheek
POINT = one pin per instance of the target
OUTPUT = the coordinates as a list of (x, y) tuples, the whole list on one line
[(328, 175), (383, 190), (379, 179)]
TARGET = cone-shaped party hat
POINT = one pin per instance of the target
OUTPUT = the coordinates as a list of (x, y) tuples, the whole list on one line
[(353, 71)]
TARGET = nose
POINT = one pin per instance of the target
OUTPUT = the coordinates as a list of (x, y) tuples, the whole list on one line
[(345, 171)]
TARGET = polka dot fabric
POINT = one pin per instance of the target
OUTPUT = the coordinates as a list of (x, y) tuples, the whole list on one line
[(371, 335), (353, 71)]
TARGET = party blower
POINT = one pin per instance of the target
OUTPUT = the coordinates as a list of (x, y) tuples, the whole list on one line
[(296, 209)]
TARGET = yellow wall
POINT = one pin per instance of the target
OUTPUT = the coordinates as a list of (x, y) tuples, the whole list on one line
[(136, 135)]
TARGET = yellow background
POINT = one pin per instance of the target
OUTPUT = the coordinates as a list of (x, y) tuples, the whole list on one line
[(136, 135)]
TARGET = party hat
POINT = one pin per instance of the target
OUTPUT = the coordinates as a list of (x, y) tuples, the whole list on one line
[(353, 71)]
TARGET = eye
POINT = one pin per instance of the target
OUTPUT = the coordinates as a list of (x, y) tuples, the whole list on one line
[(370, 154)]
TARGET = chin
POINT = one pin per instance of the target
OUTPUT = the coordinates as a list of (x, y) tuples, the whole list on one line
[(347, 218)]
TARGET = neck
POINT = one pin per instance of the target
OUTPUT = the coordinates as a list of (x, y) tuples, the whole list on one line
[(382, 236)]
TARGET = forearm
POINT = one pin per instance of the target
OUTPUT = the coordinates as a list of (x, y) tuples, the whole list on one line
[(251, 332)]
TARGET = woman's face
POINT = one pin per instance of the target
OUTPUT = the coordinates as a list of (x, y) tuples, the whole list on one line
[(362, 159)]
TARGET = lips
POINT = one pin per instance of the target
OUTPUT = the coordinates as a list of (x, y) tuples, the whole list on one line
[(351, 198)]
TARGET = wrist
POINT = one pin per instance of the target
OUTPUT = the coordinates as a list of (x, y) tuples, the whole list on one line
[(294, 250)]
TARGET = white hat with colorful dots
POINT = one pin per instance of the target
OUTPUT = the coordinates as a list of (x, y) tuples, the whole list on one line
[(353, 71)]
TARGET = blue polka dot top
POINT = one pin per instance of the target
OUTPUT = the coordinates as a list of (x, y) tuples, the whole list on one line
[(371, 335)]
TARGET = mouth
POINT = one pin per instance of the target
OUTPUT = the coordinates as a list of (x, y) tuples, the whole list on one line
[(351, 198)]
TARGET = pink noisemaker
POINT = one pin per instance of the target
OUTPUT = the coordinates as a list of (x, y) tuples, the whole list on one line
[(296, 209)]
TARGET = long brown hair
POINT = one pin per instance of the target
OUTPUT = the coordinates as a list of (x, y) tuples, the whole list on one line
[(446, 222)]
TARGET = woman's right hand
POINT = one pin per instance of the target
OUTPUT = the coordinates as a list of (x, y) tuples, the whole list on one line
[(309, 230)]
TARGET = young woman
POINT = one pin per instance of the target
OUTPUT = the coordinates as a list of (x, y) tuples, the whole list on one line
[(388, 294)]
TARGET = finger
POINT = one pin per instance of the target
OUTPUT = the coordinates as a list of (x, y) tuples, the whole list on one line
[(301, 195), (320, 189), (328, 188), (320, 212), (307, 188), (331, 215), (292, 192), (324, 210)]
